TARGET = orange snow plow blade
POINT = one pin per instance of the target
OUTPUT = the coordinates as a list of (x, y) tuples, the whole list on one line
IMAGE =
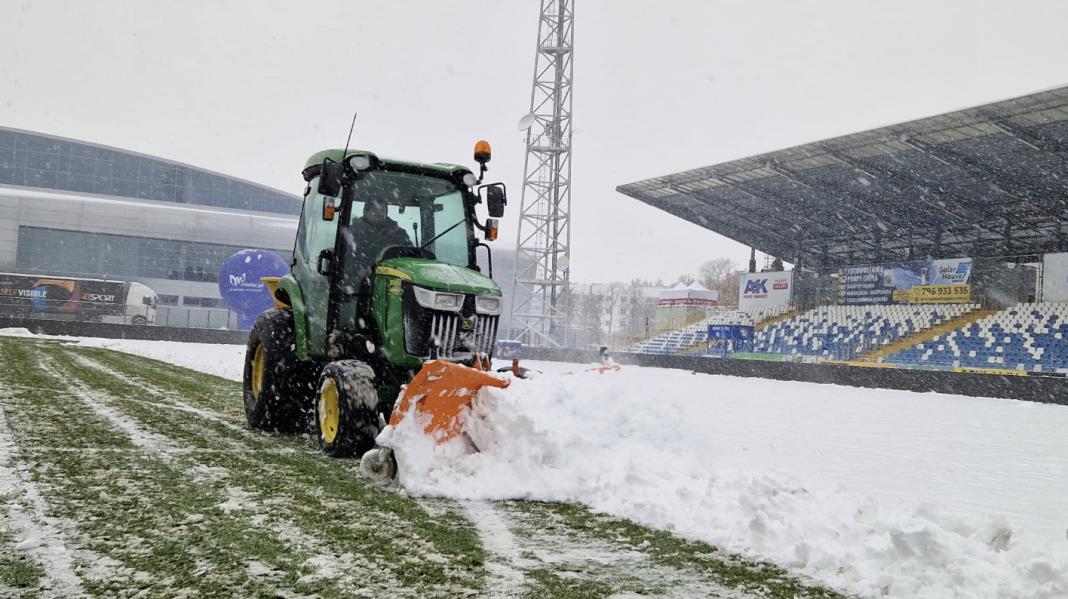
[(441, 390)]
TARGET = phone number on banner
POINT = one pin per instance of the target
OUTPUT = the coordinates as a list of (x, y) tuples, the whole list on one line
[(941, 294)]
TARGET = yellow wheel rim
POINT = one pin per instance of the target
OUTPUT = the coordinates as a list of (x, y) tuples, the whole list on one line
[(257, 371), (328, 410)]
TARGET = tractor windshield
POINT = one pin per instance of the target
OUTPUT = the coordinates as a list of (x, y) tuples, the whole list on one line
[(402, 209)]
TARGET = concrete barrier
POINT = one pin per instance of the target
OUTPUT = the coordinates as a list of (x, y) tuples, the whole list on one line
[(125, 331), (1041, 389)]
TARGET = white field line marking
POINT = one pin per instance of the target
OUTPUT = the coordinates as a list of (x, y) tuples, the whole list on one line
[(504, 558), (347, 569), (97, 402), (175, 451), (556, 549), (175, 401), (30, 524)]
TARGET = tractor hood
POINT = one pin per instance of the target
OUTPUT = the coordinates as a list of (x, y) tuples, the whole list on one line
[(438, 275)]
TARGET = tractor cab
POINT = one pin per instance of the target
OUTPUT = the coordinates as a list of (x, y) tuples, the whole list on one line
[(388, 251), (383, 280)]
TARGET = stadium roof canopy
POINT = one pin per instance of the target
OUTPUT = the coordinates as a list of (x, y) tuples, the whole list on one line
[(990, 181)]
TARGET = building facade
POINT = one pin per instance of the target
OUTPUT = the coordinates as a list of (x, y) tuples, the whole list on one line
[(72, 208)]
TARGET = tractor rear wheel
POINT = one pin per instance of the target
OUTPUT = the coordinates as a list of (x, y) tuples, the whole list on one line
[(277, 385), (346, 411)]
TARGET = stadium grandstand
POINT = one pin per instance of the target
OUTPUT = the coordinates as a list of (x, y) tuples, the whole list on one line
[(939, 243)]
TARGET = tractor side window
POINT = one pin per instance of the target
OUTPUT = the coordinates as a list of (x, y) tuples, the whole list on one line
[(315, 234), (448, 210)]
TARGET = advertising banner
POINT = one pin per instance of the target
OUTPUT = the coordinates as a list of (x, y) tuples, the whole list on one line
[(509, 350), (730, 332), (765, 289), (87, 299), (1055, 278), (687, 301), (739, 336), (917, 282)]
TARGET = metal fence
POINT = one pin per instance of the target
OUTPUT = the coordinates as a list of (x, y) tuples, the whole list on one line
[(166, 316), (195, 318)]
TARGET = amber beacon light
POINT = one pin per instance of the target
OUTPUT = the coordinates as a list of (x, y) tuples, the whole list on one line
[(482, 152)]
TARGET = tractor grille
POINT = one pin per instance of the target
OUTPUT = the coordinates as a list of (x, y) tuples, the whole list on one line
[(457, 342)]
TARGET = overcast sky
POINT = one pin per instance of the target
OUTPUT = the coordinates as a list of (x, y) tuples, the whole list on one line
[(251, 89)]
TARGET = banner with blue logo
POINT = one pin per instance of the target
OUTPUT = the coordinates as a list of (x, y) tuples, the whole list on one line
[(509, 350), (916, 282), (730, 332), (241, 287), (739, 336), (765, 289)]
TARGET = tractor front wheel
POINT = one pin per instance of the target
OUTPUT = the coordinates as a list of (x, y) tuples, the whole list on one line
[(276, 385), (346, 410)]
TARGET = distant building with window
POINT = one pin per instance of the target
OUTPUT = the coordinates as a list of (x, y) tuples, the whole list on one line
[(74, 208)]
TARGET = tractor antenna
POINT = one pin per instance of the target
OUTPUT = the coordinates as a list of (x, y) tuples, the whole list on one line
[(351, 127)]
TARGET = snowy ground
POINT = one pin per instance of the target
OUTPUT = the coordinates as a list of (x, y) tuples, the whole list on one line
[(127, 477), (878, 493)]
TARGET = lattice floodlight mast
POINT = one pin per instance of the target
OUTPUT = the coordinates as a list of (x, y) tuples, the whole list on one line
[(539, 300)]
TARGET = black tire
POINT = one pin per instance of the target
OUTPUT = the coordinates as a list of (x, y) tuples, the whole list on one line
[(278, 387), (139, 320), (346, 411)]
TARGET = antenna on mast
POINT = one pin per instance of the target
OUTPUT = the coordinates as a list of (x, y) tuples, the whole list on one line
[(351, 127)]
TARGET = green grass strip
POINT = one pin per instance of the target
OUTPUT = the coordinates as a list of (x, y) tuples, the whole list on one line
[(324, 497), (149, 520), (733, 571)]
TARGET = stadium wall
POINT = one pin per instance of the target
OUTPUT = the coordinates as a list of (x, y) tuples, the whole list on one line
[(1040, 389)]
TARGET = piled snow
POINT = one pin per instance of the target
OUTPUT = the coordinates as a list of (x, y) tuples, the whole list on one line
[(881, 493), (226, 361)]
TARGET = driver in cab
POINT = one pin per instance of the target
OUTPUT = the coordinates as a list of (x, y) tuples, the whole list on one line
[(373, 233)]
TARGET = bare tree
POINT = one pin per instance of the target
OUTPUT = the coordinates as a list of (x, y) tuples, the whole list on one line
[(729, 292), (721, 275), (714, 273), (612, 298), (587, 315), (637, 308), (686, 279)]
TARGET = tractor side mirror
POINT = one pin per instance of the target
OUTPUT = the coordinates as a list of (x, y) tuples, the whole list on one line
[(496, 199), (331, 177)]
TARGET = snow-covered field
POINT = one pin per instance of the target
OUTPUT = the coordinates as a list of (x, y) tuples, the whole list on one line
[(878, 493)]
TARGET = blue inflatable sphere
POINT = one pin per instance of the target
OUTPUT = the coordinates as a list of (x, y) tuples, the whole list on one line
[(241, 287)]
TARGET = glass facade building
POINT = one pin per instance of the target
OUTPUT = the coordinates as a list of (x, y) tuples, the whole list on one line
[(122, 256), (75, 209), (34, 160)]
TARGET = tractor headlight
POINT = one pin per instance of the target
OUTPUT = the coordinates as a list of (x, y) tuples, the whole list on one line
[(439, 300), (488, 304)]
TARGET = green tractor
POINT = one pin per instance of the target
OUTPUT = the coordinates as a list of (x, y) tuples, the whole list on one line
[(384, 278)]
